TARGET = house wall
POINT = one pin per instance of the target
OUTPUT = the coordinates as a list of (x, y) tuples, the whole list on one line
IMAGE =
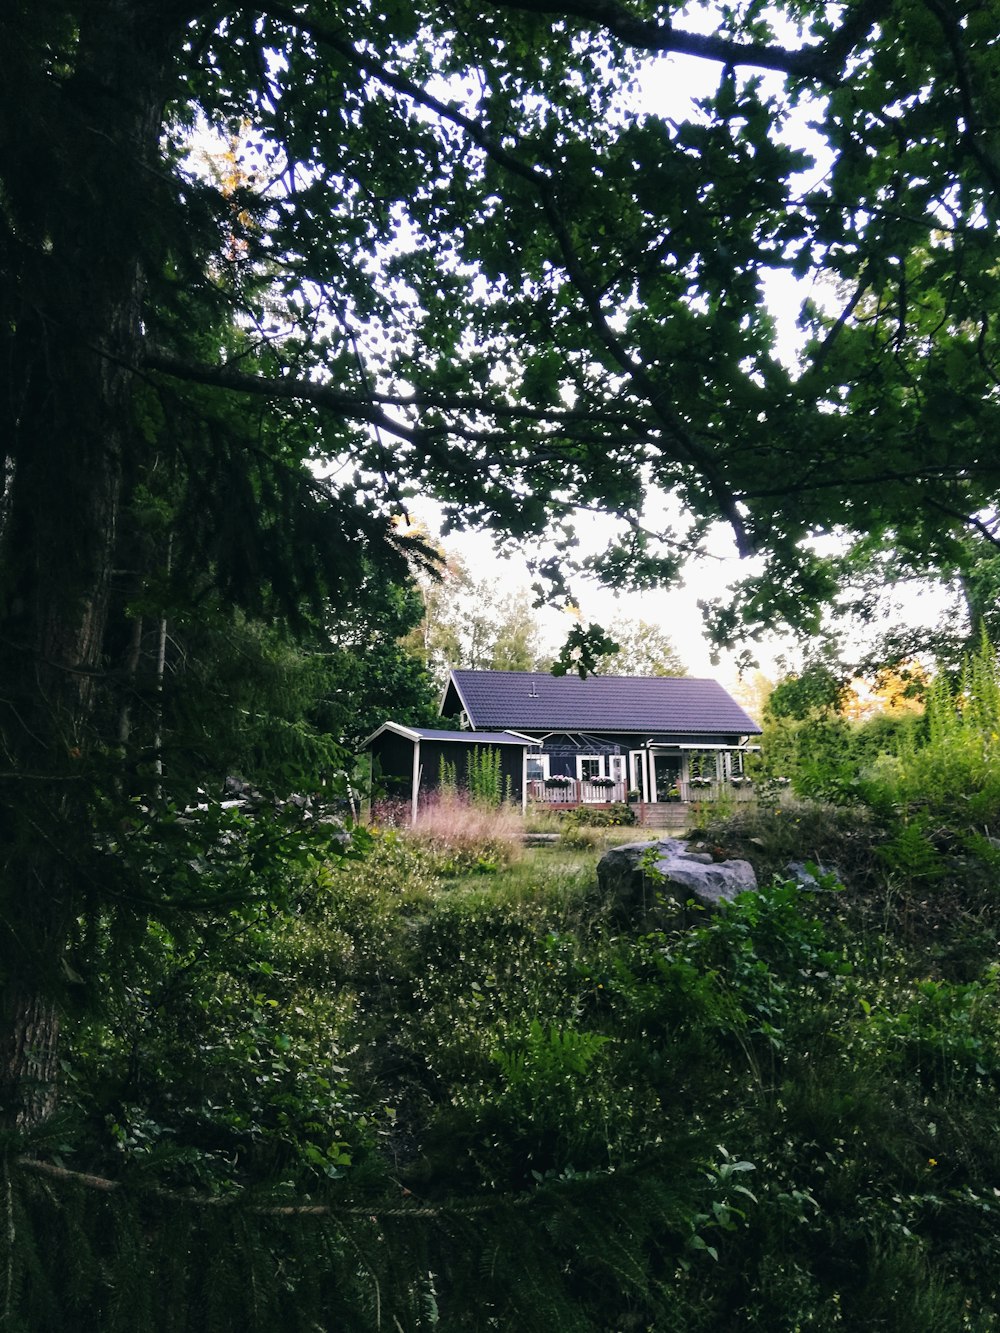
[(392, 764), (670, 767), (393, 755), (457, 753)]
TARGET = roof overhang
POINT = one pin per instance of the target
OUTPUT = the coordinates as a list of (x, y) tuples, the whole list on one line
[(396, 727), (430, 734), (713, 745)]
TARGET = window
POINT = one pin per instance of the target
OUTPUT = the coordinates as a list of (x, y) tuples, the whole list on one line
[(538, 767), (589, 766)]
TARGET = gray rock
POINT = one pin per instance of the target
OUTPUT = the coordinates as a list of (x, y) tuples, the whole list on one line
[(807, 874), (650, 882)]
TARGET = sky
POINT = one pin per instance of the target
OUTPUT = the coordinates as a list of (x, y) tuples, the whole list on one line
[(674, 611)]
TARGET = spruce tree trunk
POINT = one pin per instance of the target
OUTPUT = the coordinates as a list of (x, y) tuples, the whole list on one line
[(75, 187)]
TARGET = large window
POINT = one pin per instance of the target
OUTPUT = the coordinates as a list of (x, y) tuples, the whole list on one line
[(538, 767), (589, 766)]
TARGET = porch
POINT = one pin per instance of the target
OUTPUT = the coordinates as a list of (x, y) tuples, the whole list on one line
[(565, 793)]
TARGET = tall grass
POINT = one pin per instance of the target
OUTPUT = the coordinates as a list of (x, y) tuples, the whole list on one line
[(463, 834)]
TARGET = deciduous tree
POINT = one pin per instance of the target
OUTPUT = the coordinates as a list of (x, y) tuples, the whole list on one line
[(643, 650)]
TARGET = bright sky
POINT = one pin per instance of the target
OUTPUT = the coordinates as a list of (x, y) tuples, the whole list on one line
[(675, 611)]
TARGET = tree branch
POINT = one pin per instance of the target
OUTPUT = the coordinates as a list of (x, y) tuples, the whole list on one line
[(367, 406), (821, 63), (285, 389), (978, 139)]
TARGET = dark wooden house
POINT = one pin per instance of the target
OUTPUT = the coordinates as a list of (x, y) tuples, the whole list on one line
[(664, 738)]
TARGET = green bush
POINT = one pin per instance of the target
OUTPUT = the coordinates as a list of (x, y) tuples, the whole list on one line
[(955, 774), (616, 815)]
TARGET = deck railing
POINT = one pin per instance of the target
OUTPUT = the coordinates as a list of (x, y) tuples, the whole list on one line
[(575, 791)]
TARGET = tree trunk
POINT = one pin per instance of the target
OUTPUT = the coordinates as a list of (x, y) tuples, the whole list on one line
[(75, 188)]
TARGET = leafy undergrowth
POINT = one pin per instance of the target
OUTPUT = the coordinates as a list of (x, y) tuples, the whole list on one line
[(520, 1116)]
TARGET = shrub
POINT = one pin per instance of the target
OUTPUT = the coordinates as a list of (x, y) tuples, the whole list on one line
[(955, 774), (582, 837)]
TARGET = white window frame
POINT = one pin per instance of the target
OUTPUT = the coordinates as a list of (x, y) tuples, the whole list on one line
[(542, 759), (597, 759)]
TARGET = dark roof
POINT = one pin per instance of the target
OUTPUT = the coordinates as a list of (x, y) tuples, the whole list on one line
[(535, 700), (433, 734)]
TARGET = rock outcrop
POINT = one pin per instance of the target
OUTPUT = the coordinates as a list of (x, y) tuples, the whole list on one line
[(649, 883)]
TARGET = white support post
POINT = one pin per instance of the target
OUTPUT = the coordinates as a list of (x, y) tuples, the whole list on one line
[(415, 790)]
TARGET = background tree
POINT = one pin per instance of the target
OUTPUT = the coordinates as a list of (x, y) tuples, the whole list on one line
[(475, 623), (824, 729), (643, 650)]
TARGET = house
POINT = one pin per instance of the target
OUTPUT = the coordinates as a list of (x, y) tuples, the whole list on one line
[(665, 737), (409, 762)]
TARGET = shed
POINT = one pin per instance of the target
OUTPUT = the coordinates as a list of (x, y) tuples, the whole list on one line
[(408, 761)]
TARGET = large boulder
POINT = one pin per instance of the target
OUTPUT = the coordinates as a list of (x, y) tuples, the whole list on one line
[(651, 882)]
